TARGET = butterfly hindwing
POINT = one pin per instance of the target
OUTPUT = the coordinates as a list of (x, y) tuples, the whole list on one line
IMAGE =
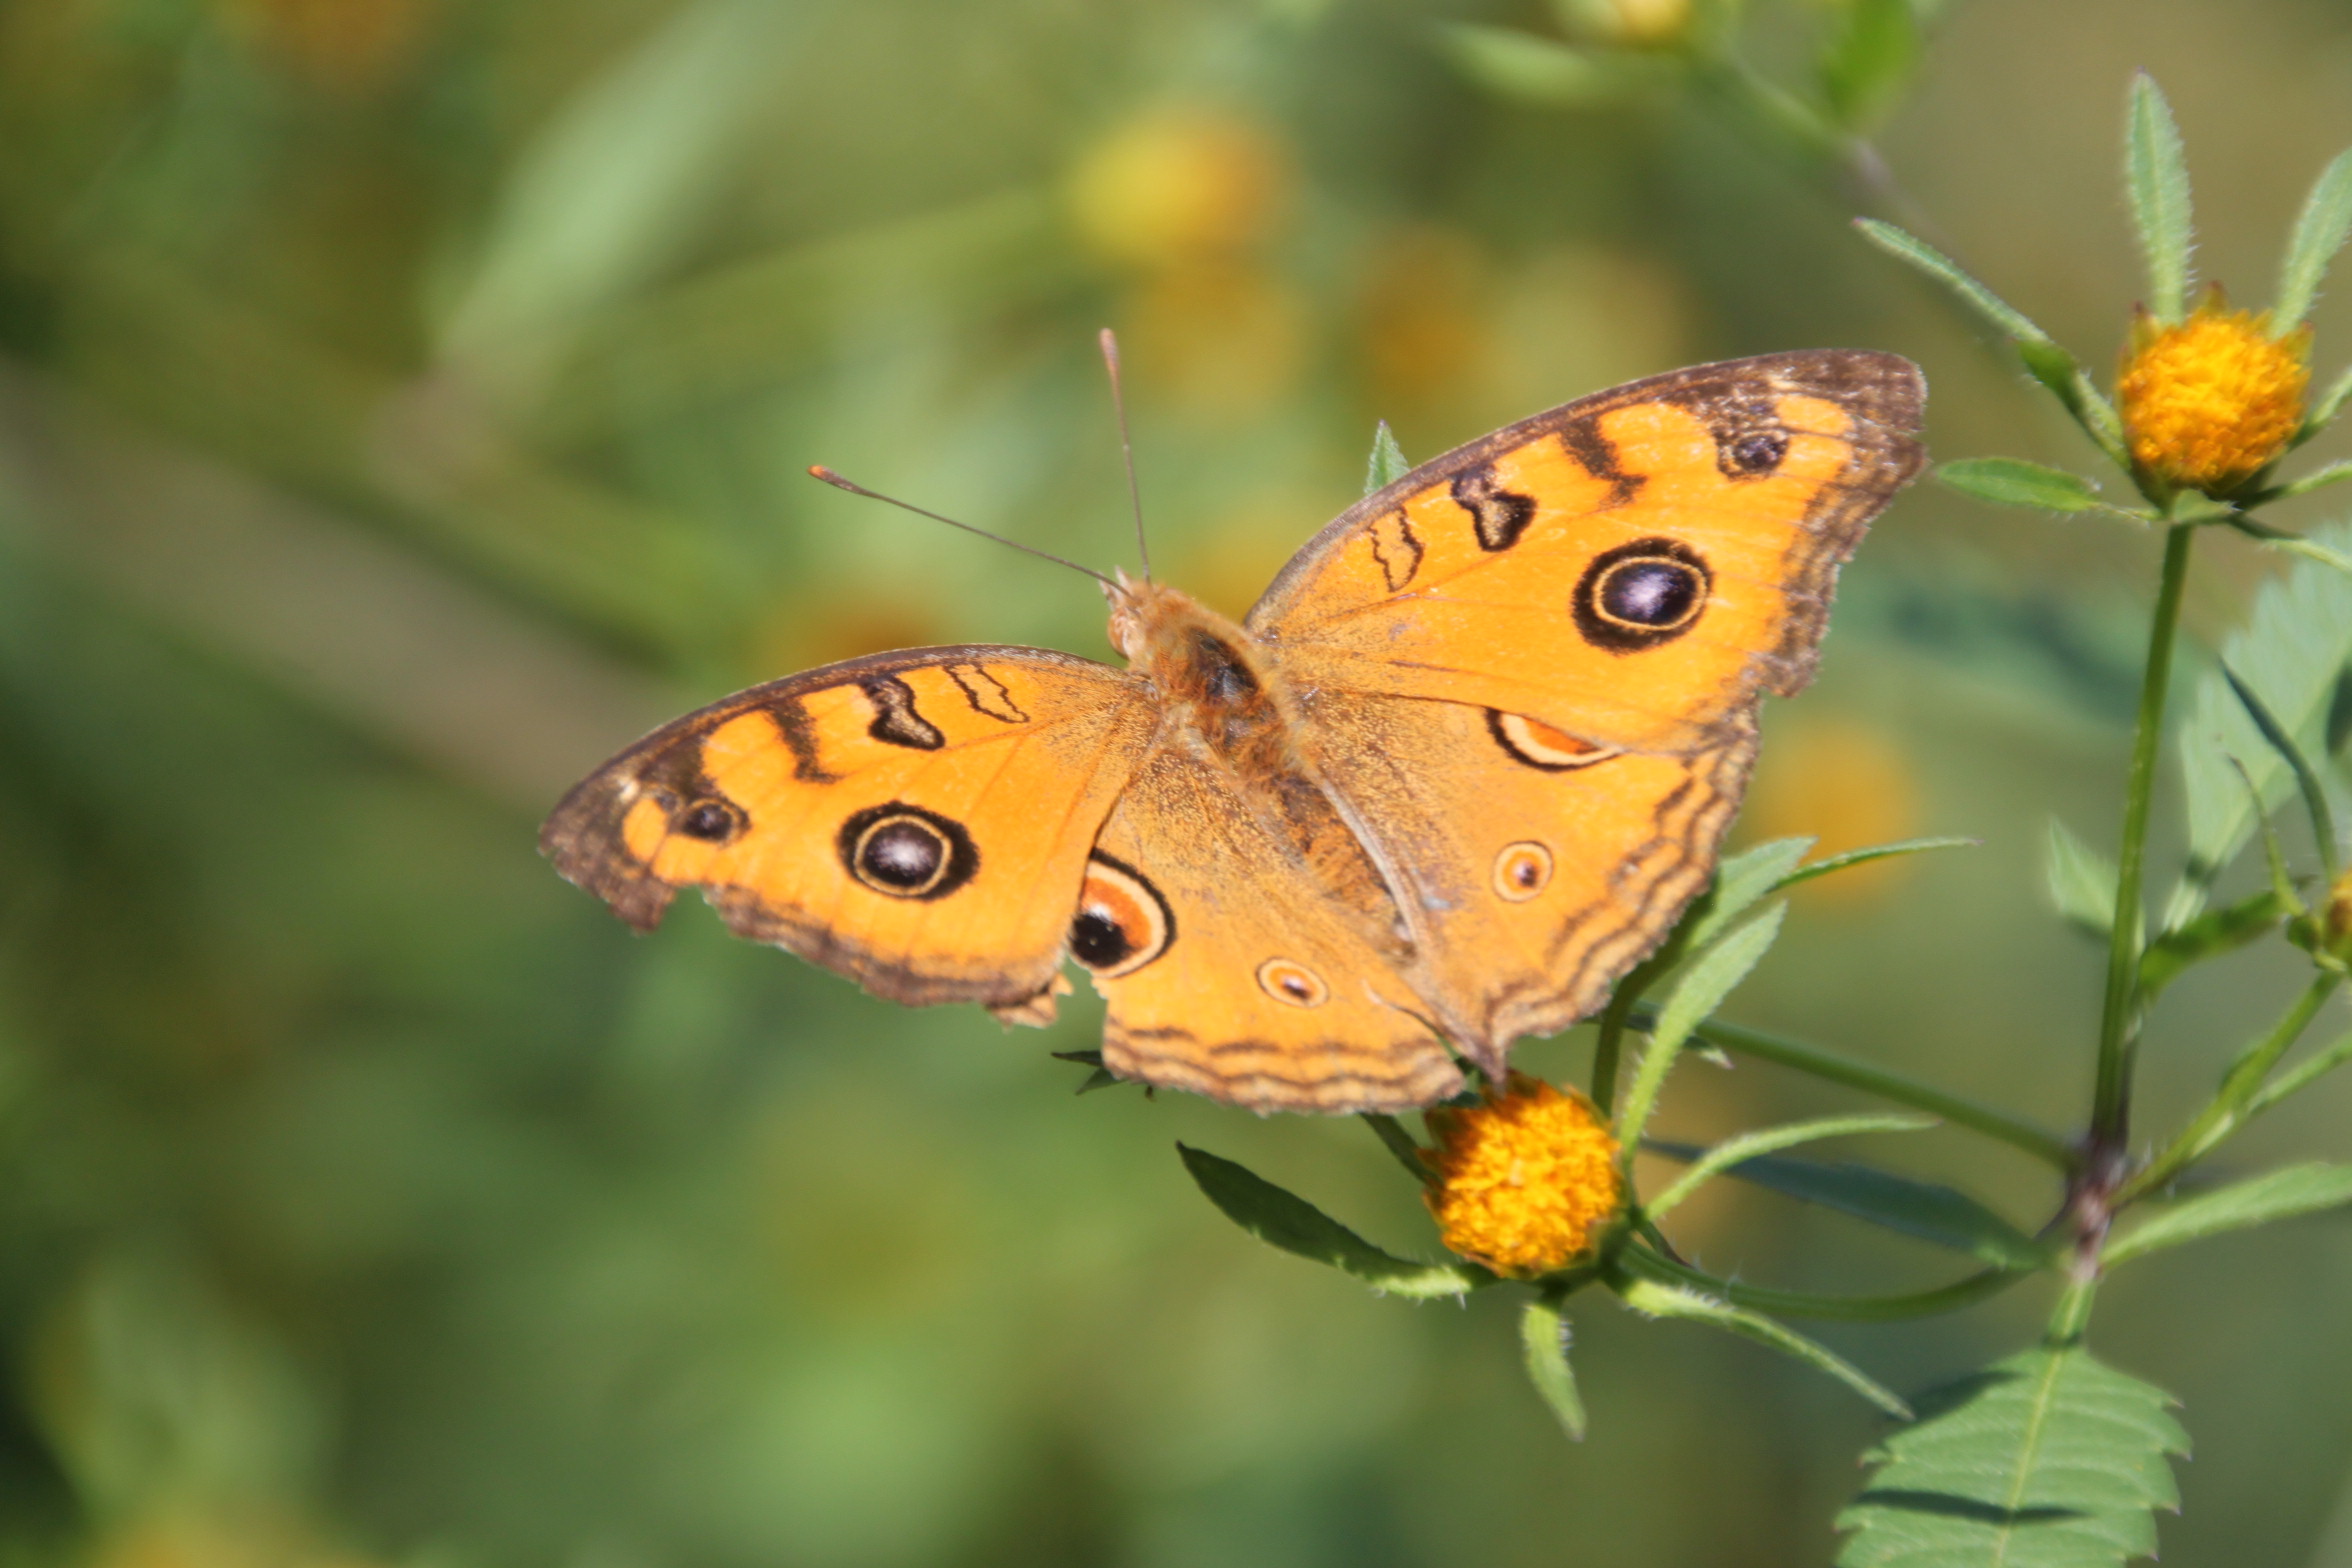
[(918, 821)]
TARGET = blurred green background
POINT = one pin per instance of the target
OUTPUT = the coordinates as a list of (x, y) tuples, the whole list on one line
[(403, 403)]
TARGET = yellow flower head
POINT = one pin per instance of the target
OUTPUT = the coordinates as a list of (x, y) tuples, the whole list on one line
[(2338, 918), (2210, 402), (1527, 1179)]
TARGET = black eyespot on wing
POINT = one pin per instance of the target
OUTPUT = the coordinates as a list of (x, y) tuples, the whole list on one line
[(905, 851), (1500, 516), (711, 819), (1755, 454), (1123, 922), (895, 719), (1641, 594)]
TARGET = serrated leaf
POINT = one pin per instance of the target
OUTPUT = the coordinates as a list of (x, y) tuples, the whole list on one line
[(1747, 1146), (2080, 881), (1739, 882), (1864, 856), (2049, 1459), (2156, 174), (2260, 1200), (2210, 935), (1710, 978), (1387, 464), (1284, 1219), (2010, 481), (1654, 1299), (1869, 59), (2291, 654), (1543, 1342), (1534, 69), (2320, 232)]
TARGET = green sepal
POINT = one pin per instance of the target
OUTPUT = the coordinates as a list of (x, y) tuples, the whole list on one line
[(1712, 975), (1284, 1219), (1867, 854), (1868, 60), (2261, 1200), (1543, 1341), (2079, 880), (1723, 1156), (2048, 1458), (2156, 175), (1387, 464), (1653, 1298), (2210, 935), (2320, 232), (2010, 481), (1925, 1211)]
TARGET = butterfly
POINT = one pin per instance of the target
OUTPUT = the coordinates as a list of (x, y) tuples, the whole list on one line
[(1462, 766)]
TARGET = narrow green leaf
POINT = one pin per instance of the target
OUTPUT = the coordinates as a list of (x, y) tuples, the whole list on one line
[(1543, 1339), (2318, 479), (1533, 69), (2260, 1200), (2008, 320), (2009, 481), (1285, 1220), (2325, 409), (2291, 655), (2210, 935), (1399, 1142), (2319, 233), (1653, 1299), (2315, 804), (2062, 374), (1710, 978), (1387, 464), (2156, 173), (2048, 1459), (1810, 1304), (1923, 1210), (2080, 881), (1739, 882), (2301, 1076), (1868, 60), (1747, 1146), (1863, 857)]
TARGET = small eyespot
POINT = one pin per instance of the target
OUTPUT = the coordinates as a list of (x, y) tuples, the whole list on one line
[(1522, 870), (1122, 922), (907, 852), (715, 821), (1758, 453), (1293, 984)]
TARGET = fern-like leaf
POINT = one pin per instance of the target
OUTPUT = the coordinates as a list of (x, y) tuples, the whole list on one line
[(2049, 1459)]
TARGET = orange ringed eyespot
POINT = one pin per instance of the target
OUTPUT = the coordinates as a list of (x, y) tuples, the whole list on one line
[(1293, 984), (1522, 870)]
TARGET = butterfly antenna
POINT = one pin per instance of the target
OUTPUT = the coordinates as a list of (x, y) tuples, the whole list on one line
[(1110, 354), (820, 471)]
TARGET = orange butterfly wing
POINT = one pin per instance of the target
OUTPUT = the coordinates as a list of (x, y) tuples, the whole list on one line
[(918, 821), (1501, 574)]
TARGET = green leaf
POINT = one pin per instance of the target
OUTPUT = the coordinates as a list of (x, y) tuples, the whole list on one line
[(2301, 1076), (1747, 1146), (2210, 935), (2291, 655), (1653, 1299), (1533, 69), (1286, 1220), (1710, 978), (1923, 1210), (2080, 881), (2049, 1459), (2156, 173), (1863, 857), (2319, 233), (2009, 321), (1543, 1339), (1739, 882), (1868, 61), (1399, 1143), (1387, 464), (2326, 407), (2260, 1200), (2315, 804), (2063, 375), (2318, 479), (2009, 481)]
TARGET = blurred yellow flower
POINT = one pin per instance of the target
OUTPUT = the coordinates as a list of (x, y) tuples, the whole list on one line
[(2207, 404), (1221, 339), (1527, 1179), (1178, 186), (2338, 917), (1846, 784), (1640, 23), (350, 46), (1422, 323)]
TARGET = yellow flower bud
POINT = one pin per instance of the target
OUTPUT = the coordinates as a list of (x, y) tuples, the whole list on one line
[(2210, 402), (1527, 1180)]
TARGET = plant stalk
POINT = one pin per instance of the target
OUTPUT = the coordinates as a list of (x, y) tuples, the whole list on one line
[(2118, 1017)]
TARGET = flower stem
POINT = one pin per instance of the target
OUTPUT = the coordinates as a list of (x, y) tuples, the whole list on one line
[(2118, 1018)]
